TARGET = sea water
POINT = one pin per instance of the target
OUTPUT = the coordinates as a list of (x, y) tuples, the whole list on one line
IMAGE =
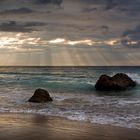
[(73, 92)]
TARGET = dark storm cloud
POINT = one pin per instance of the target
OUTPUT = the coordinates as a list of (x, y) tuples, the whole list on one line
[(1, 1), (88, 10), (128, 6), (113, 3), (133, 32), (132, 37), (55, 2), (13, 26), (97, 19), (123, 4), (131, 7), (22, 10), (104, 27), (110, 4)]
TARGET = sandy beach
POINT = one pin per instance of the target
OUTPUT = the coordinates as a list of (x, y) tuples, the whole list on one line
[(37, 127)]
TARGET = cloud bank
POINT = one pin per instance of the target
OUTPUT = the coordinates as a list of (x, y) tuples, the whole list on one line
[(110, 28)]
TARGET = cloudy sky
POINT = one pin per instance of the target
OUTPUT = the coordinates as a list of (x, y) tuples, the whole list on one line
[(70, 32)]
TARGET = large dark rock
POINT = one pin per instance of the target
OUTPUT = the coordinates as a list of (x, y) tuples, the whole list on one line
[(119, 81), (40, 96)]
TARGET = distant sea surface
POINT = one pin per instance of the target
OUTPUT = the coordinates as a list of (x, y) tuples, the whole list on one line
[(72, 89)]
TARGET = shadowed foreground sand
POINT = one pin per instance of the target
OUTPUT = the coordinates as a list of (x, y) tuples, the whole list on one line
[(37, 127)]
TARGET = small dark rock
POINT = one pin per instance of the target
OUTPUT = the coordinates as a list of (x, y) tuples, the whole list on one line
[(40, 96), (119, 81)]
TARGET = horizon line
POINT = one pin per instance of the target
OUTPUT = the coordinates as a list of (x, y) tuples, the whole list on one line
[(70, 66)]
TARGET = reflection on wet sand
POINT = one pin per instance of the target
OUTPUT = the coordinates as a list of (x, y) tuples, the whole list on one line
[(37, 127)]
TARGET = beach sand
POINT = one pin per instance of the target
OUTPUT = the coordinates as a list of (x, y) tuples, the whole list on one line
[(38, 127)]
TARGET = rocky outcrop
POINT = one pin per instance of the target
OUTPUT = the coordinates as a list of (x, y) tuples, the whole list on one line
[(119, 81), (40, 96)]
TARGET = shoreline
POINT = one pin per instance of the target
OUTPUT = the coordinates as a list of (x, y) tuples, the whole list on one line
[(21, 126)]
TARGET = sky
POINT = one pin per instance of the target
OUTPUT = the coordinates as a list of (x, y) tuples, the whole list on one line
[(70, 32)]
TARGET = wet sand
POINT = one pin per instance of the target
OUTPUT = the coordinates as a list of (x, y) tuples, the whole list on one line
[(37, 127)]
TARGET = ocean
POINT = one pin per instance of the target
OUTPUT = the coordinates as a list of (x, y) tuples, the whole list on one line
[(73, 92)]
